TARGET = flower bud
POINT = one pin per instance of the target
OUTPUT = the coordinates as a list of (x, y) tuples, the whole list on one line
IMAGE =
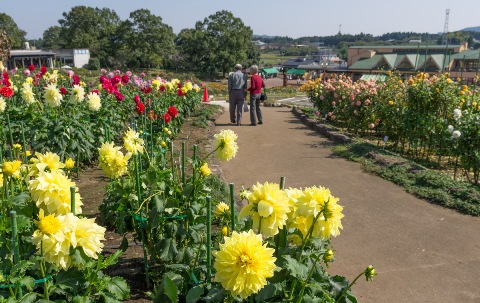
[(328, 255), (370, 272), (225, 230)]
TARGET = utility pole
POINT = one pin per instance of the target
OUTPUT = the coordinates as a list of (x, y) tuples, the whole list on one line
[(445, 27)]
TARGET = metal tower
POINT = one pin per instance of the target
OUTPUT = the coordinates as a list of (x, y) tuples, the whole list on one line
[(445, 27), (340, 29)]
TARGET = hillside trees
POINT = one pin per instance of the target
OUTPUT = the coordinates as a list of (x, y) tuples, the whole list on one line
[(217, 43), (92, 28), (148, 41), (15, 34)]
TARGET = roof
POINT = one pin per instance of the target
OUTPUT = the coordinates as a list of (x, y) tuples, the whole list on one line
[(420, 46), (298, 61), (374, 77), (468, 55), (270, 71), (393, 61), (29, 53), (295, 71)]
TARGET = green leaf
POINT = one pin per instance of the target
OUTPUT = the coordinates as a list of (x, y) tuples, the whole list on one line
[(113, 259), (297, 269), (170, 289), (28, 298), (79, 299), (195, 293), (28, 282), (118, 287), (72, 278), (266, 293), (216, 294)]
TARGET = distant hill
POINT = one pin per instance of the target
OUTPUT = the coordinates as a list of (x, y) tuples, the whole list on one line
[(471, 29)]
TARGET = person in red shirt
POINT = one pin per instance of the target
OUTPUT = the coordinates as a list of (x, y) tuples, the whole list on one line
[(256, 85)]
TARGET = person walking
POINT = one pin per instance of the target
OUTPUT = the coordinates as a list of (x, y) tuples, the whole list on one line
[(256, 85), (237, 91)]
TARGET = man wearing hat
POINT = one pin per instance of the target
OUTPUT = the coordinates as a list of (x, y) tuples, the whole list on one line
[(237, 90)]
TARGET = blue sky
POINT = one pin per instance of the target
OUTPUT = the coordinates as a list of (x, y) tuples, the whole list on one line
[(270, 17)]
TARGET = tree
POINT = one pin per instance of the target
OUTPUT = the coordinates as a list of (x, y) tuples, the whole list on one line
[(5, 45), (218, 43), (16, 35), (149, 41), (52, 38), (92, 28)]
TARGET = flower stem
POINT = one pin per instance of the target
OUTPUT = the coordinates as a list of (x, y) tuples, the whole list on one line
[(348, 287)]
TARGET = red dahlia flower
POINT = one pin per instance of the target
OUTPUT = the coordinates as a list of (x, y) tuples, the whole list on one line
[(172, 111), (180, 93), (63, 90), (140, 108), (116, 79), (119, 96), (136, 99), (125, 79), (162, 88), (95, 91), (76, 80), (103, 79), (7, 92), (179, 85), (43, 70), (167, 118), (31, 67)]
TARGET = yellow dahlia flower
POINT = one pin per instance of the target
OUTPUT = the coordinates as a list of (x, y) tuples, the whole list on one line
[(268, 206), (94, 103), (11, 167), (132, 142), (112, 161), (318, 202), (52, 95), (50, 239), (188, 85), (48, 162), (87, 235), (225, 146), (205, 170), (78, 93), (243, 264), (69, 163), (27, 93), (220, 209), (51, 192)]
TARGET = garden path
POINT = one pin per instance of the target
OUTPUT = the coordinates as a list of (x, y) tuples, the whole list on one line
[(422, 252)]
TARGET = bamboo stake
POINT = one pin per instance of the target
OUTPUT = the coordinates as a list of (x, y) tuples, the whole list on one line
[(232, 207), (72, 200), (209, 238)]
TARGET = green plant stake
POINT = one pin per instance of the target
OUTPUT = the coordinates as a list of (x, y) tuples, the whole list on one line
[(14, 248), (24, 145), (232, 206), (72, 200), (281, 238), (183, 162), (1, 154), (209, 238), (12, 151), (195, 147)]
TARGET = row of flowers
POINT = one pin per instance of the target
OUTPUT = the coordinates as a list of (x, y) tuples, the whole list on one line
[(60, 245), (52, 110), (425, 117), (276, 248)]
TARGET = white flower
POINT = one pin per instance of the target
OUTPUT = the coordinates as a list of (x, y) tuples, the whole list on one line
[(94, 101), (450, 128), (456, 134), (457, 114), (78, 93), (3, 104)]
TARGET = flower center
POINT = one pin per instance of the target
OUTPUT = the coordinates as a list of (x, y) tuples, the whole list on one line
[(245, 260), (49, 225)]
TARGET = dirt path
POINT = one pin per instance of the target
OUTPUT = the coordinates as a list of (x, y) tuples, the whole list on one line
[(423, 252)]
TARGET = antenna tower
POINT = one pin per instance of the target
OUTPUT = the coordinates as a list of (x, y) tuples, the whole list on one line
[(340, 29), (445, 27)]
